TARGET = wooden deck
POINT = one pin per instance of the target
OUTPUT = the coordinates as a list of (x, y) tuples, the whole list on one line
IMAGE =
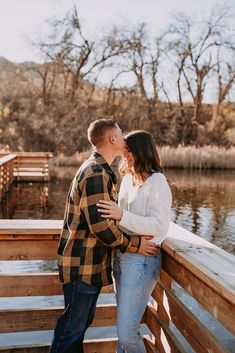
[(30, 166), (203, 270)]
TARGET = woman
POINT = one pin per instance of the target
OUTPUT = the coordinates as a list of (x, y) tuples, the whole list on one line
[(144, 208)]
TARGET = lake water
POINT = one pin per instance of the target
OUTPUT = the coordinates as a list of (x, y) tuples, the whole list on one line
[(203, 203)]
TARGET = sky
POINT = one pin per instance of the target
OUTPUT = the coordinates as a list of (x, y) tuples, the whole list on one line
[(24, 19)]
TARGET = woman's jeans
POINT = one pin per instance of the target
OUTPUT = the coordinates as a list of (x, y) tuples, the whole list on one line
[(80, 302), (135, 277)]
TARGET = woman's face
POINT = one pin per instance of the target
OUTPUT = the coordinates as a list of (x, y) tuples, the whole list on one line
[(129, 158)]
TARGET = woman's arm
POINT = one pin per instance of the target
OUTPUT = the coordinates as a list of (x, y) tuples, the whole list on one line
[(159, 210)]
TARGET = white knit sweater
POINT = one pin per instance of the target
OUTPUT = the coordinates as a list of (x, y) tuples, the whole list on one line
[(146, 209)]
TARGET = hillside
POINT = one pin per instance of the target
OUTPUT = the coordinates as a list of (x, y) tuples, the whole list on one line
[(40, 110)]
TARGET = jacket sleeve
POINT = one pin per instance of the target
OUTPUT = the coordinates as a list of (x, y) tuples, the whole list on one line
[(97, 186)]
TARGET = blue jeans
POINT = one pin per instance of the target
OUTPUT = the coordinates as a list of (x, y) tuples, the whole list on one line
[(80, 302), (135, 277)]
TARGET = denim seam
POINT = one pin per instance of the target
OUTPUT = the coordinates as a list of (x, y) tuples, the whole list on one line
[(66, 326)]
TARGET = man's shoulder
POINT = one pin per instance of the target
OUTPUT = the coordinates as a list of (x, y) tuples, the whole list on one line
[(88, 169)]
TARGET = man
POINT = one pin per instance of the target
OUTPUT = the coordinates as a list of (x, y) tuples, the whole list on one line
[(87, 240)]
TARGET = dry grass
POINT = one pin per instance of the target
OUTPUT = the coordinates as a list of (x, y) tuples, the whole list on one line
[(206, 157), (74, 160)]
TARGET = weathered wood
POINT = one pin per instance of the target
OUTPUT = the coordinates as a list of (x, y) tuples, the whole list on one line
[(194, 263), (199, 337), (211, 300), (105, 345), (208, 262), (150, 348), (6, 173), (17, 285), (7, 158), (29, 154), (26, 226), (29, 249), (168, 341), (31, 165), (158, 305), (17, 320), (29, 284)]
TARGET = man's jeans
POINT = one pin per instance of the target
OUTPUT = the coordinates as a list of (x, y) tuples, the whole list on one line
[(135, 277), (80, 302)]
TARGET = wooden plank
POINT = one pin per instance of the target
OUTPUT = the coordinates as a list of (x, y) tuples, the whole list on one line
[(150, 348), (212, 301), (198, 336), (26, 226), (17, 238), (209, 263), (17, 285), (17, 320), (168, 340), (105, 345), (29, 154), (7, 158), (158, 306), (28, 249)]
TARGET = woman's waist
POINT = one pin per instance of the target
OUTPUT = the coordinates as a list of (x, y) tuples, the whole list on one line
[(135, 257)]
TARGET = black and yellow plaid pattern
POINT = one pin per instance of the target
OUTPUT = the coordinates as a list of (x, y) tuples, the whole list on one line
[(87, 240)]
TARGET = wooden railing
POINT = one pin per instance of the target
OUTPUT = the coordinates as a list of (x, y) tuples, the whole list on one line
[(6, 173), (33, 166), (201, 269)]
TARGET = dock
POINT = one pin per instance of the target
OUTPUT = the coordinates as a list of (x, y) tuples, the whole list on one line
[(201, 269), (23, 166)]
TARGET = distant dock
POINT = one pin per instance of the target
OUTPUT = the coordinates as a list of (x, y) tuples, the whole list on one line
[(23, 166)]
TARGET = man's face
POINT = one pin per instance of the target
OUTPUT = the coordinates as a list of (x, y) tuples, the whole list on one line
[(119, 140)]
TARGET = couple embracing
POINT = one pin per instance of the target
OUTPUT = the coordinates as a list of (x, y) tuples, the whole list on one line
[(101, 237)]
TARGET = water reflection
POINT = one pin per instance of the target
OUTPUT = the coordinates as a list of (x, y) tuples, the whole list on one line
[(203, 203)]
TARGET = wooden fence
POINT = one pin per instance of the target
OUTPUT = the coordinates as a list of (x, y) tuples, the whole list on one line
[(204, 271)]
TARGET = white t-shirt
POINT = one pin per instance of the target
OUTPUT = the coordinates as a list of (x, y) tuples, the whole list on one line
[(146, 209)]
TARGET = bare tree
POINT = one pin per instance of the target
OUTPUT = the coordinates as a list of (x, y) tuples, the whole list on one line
[(75, 55), (225, 75), (192, 51)]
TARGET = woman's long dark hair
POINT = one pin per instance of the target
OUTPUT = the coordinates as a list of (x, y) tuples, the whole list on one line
[(144, 150)]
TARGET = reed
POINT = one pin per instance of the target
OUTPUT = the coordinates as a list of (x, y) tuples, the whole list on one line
[(74, 160), (191, 157)]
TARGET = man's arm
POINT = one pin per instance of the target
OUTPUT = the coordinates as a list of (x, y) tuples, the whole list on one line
[(97, 187)]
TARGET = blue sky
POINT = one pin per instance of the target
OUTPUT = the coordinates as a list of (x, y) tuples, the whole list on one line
[(20, 19)]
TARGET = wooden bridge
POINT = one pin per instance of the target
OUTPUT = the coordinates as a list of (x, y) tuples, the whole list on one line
[(23, 166), (202, 270)]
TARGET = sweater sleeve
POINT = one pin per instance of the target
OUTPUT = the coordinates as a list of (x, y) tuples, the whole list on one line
[(157, 221)]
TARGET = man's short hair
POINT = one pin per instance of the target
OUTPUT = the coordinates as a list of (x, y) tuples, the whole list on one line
[(97, 130)]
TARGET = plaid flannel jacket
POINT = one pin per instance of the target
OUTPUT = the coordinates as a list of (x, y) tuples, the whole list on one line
[(87, 239)]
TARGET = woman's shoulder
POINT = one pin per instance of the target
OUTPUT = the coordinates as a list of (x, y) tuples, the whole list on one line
[(158, 177), (159, 180), (127, 179)]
